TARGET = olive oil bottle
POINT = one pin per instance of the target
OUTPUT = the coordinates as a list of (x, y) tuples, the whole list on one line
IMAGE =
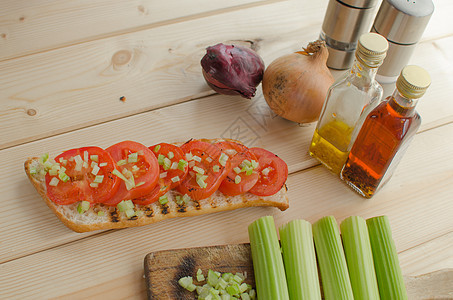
[(354, 94)]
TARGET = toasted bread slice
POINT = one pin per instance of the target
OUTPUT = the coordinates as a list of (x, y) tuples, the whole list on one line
[(112, 218)]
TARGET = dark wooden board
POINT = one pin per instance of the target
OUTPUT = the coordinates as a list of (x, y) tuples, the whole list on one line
[(164, 268)]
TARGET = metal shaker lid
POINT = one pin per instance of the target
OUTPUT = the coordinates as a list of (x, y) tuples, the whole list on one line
[(403, 21), (360, 3)]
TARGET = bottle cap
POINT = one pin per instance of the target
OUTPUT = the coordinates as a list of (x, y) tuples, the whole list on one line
[(372, 49), (403, 21), (413, 82)]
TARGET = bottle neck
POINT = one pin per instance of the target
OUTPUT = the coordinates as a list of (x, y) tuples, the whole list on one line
[(402, 105), (361, 74)]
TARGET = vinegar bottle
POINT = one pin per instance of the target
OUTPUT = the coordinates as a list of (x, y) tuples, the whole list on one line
[(385, 134), (350, 96)]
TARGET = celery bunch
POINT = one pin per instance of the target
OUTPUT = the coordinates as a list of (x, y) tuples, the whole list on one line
[(331, 259), (357, 248), (268, 266), (300, 260), (388, 271)]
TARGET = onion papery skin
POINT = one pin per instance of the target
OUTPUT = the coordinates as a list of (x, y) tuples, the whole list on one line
[(295, 85), (232, 70)]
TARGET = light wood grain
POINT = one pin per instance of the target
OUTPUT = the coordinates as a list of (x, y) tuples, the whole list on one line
[(82, 85), (27, 27), (70, 62), (314, 193)]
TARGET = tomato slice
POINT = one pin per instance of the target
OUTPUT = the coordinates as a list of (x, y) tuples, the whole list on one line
[(240, 156), (273, 173), (169, 158), (80, 185), (139, 165), (206, 159)]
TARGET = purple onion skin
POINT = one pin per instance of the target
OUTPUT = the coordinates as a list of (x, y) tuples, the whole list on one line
[(232, 70)]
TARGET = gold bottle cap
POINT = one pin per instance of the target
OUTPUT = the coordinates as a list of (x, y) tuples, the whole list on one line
[(413, 82), (372, 49)]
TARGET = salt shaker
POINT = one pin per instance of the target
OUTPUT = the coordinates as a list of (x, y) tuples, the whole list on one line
[(344, 22), (402, 23)]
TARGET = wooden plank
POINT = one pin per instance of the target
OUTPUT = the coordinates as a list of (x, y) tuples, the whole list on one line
[(84, 83), (151, 68), (250, 121), (428, 257), (419, 211), (31, 28)]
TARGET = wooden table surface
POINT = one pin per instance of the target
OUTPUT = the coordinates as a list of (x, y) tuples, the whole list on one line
[(64, 65)]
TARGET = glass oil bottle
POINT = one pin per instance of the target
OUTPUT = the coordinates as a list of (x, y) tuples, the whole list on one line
[(385, 134), (355, 93)]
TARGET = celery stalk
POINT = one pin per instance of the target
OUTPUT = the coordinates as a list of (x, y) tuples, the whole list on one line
[(299, 257), (267, 260), (331, 259), (388, 272), (359, 258)]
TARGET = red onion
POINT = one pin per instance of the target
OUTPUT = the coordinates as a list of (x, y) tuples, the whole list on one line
[(232, 70)]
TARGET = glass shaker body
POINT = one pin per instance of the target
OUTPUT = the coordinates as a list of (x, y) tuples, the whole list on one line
[(350, 96)]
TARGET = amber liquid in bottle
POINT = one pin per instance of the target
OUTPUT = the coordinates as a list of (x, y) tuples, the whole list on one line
[(379, 146)]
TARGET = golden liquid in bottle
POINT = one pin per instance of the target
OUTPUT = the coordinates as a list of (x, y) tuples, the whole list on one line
[(330, 144)]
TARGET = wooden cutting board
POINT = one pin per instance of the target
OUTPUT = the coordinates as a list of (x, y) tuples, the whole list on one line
[(164, 268)]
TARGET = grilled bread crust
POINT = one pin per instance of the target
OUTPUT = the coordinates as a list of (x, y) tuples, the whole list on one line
[(112, 218)]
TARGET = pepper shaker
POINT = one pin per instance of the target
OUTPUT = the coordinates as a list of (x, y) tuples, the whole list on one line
[(344, 22), (402, 23)]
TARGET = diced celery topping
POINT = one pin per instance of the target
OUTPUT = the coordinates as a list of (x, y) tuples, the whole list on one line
[(132, 158), (160, 159), (182, 165), (54, 181), (98, 179), (163, 199), (121, 162), (83, 207), (157, 148), (186, 198), (237, 179), (198, 170), (170, 155), (43, 158), (94, 157), (216, 168), (125, 205), (237, 170), (130, 213), (175, 179), (167, 163), (63, 177), (223, 159)]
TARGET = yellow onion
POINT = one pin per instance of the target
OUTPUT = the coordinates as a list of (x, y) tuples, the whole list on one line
[(295, 85)]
